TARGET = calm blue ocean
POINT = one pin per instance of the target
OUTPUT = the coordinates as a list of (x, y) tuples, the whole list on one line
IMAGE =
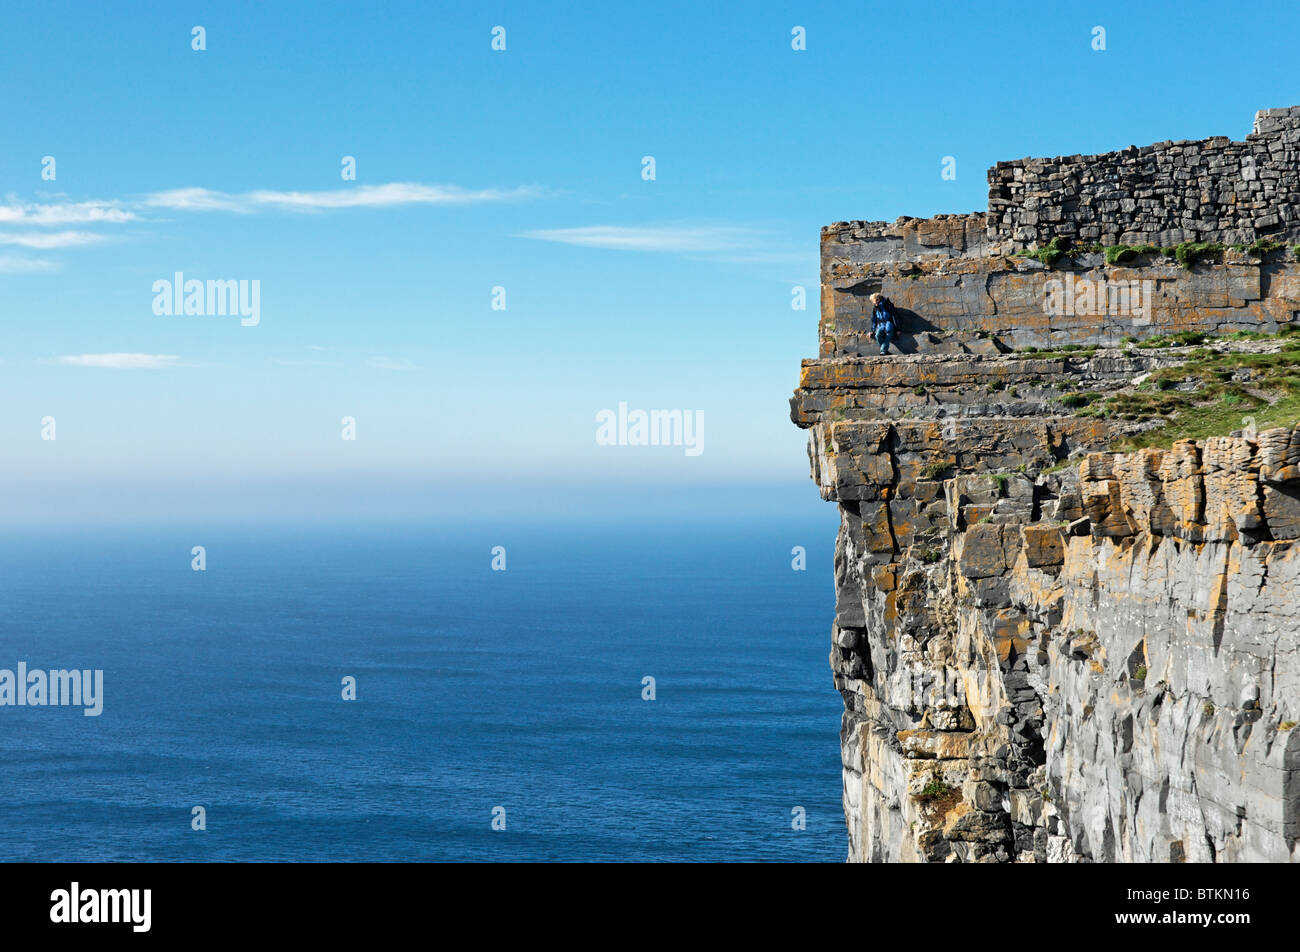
[(476, 689)]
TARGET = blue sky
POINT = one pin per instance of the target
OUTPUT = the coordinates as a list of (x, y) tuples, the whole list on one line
[(519, 169)]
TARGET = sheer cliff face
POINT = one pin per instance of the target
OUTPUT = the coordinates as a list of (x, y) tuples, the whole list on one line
[(1049, 651)]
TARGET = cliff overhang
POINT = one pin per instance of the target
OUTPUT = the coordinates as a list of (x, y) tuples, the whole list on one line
[(1066, 573)]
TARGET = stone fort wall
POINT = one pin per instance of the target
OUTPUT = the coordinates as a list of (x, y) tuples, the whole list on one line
[(963, 283)]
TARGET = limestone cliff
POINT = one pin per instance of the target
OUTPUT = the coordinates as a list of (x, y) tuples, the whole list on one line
[(1049, 649)]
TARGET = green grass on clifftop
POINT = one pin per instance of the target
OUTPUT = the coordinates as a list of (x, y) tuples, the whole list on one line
[(1212, 394), (1186, 254)]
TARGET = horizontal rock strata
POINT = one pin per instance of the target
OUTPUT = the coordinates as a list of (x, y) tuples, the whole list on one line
[(1049, 651)]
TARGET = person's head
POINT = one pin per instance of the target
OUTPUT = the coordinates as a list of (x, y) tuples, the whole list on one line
[(877, 298)]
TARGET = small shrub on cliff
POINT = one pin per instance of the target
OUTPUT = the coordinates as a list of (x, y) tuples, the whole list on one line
[(1118, 253), (1180, 339), (1093, 413), (1286, 725), (929, 556), (935, 789), (1049, 252), (1189, 252), (1141, 673), (1262, 246), (1067, 350), (1142, 406), (935, 470), (1076, 400), (1208, 709)]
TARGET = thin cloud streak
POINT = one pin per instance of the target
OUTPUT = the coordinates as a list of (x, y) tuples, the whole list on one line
[(388, 363), (122, 361), (362, 196), (292, 362), (12, 264), (680, 239), (197, 199), (64, 213), (122, 212), (46, 240)]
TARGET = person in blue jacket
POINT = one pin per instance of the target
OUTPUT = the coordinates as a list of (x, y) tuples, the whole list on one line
[(884, 325)]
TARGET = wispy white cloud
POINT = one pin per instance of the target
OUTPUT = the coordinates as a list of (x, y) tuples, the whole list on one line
[(293, 362), (13, 264), (775, 258), (46, 240), (360, 196), (307, 361), (122, 361), (196, 199), (56, 211), (14, 212), (681, 239), (388, 363)]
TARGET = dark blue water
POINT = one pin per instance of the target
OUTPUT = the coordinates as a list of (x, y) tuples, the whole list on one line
[(476, 689)]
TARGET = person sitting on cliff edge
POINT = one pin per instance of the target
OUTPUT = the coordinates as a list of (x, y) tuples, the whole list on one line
[(884, 326)]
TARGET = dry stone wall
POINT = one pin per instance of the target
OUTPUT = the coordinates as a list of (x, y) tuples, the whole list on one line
[(1163, 194)]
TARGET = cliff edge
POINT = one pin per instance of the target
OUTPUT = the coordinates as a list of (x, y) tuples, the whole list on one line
[(1067, 572)]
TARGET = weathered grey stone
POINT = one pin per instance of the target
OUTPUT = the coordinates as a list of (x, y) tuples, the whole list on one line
[(1090, 664)]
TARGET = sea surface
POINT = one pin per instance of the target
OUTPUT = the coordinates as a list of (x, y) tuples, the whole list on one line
[(476, 689)]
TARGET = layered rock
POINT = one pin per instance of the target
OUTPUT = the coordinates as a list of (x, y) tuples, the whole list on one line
[(1049, 651), (989, 302)]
